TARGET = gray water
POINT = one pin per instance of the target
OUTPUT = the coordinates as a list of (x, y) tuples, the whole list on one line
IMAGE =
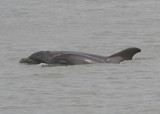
[(102, 27)]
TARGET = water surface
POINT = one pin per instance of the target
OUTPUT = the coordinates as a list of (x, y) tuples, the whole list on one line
[(94, 26)]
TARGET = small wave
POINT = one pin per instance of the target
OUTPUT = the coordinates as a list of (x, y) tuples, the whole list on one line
[(47, 65), (144, 58)]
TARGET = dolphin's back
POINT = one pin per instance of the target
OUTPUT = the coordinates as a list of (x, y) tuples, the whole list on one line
[(74, 59)]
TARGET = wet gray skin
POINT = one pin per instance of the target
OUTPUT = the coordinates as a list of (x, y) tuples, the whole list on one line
[(76, 59), (46, 56), (73, 58)]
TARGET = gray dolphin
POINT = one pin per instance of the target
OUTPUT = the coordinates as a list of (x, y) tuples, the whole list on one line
[(46, 56), (73, 58)]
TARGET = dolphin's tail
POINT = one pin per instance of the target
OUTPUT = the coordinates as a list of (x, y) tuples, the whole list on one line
[(126, 54)]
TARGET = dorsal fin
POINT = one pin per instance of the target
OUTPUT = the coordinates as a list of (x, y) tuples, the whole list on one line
[(126, 54)]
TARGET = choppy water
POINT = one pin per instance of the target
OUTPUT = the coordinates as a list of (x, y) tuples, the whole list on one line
[(94, 26)]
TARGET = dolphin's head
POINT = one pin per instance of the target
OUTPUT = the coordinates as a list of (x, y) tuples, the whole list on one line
[(38, 57), (28, 60)]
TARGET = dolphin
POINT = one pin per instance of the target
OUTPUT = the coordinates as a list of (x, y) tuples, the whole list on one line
[(46, 56), (74, 58), (77, 58)]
